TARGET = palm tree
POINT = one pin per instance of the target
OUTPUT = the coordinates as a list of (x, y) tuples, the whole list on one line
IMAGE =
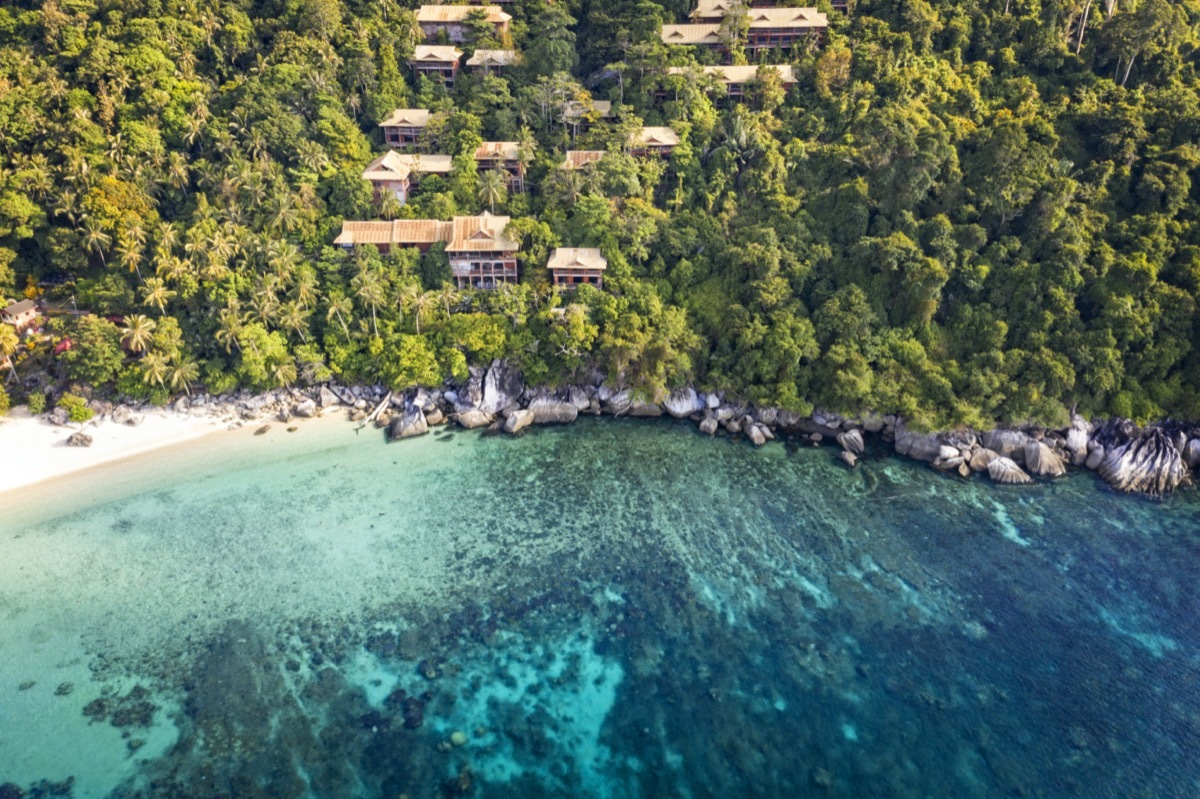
[(138, 331), (183, 374), (425, 302), (368, 287), (340, 307), (284, 217), (130, 257), (154, 369), (284, 373), (230, 325), (493, 188), (448, 296), (156, 294), (95, 239), (9, 343), (296, 318), (177, 171)]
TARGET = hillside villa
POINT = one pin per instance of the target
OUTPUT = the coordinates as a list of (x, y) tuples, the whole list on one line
[(574, 266), (435, 19)]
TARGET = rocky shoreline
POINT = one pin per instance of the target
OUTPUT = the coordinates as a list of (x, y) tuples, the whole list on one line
[(1153, 460)]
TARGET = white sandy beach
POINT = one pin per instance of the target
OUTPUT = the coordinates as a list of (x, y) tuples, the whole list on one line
[(33, 450)]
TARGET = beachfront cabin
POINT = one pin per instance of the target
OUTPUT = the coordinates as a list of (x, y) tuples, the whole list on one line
[(485, 62), (574, 266), (736, 79), (386, 236), (434, 20), (22, 315), (581, 159), (405, 126), (660, 141), (438, 62), (707, 36), (505, 156), (784, 28), (395, 172), (481, 255)]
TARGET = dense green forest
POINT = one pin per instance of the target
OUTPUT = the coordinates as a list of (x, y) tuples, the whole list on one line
[(965, 210)]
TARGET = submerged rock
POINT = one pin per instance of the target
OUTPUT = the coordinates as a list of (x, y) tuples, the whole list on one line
[(849, 458), (409, 424), (1005, 470)]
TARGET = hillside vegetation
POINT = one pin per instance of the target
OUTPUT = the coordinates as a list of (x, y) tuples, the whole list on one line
[(965, 211)]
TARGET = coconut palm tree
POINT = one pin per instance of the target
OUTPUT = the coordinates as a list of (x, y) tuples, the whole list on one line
[(95, 239), (340, 307), (138, 331), (294, 316), (183, 374), (493, 188), (155, 369), (230, 325), (177, 171), (9, 343), (369, 288), (156, 294)]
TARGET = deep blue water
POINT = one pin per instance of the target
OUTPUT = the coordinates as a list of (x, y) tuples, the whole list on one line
[(617, 609)]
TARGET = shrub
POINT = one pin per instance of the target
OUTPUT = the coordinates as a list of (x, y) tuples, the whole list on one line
[(76, 408), (3, 401), (37, 403)]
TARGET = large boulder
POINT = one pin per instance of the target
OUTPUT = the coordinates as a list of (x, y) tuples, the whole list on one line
[(79, 440), (708, 426), (755, 434), (306, 408), (502, 387), (327, 398), (683, 402), (1077, 438), (1095, 457), (1007, 443), (645, 409), (579, 398), (59, 416), (473, 418), (550, 410), (851, 441), (615, 403), (518, 420), (924, 447), (1043, 461), (1191, 453), (1147, 463), (121, 414), (409, 424), (981, 459), (1005, 470)]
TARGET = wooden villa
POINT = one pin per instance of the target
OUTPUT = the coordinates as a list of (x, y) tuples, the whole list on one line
[(436, 61), (580, 159), (708, 35), (481, 255), (485, 62), (574, 266), (393, 172), (506, 156), (405, 126), (435, 19), (737, 78), (784, 28), (660, 141), (22, 315)]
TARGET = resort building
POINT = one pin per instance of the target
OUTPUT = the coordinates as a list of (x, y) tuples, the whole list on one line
[(393, 172), (576, 111), (653, 141), (485, 62), (578, 159), (506, 156), (736, 78), (574, 266), (21, 315), (708, 35), (784, 28), (405, 126), (481, 255), (436, 61), (452, 20)]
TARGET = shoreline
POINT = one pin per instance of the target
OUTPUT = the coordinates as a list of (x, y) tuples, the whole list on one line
[(1151, 461)]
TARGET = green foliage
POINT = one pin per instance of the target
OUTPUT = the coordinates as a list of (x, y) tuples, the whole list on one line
[(4, 401), (76, 408), (37, 402)]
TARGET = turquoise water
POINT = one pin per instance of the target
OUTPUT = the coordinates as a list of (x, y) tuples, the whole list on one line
[(615, 609)]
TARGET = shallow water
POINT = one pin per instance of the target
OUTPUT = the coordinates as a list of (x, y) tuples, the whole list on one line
[(615, 609)]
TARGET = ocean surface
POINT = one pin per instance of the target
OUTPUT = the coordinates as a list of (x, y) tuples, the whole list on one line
[(614, 609)]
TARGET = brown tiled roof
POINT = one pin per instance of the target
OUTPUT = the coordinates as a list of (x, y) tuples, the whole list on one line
[(739, 74), (691, 34), (398, 166), (450, 14), (577, 258), (492, 58), (480, 234), (577, 159), (708, 9), (407, 118), (441, 53), (398, 233), (787, 18)]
